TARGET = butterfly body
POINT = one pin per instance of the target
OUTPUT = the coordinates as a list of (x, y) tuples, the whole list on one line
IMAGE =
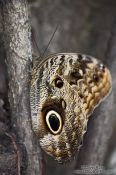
[(65, 89)]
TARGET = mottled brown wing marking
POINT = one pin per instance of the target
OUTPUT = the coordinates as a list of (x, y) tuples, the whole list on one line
[(67, 86)]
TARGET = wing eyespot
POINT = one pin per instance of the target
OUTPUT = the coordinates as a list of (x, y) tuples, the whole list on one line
[(54, 122), (58, 82), (63, 103)]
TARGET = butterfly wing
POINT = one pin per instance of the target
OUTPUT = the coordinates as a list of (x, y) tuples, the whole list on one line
[(65, 89)]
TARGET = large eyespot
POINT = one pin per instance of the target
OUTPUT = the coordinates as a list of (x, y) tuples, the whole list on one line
[(54, 121), (58, 82)]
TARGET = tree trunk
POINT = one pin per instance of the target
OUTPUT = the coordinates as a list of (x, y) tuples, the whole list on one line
[(18, 52)]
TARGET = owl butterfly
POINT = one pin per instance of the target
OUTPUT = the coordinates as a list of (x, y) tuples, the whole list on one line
[(65, 89)]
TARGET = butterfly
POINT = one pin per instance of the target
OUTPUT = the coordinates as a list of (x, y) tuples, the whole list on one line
[(65, 89)]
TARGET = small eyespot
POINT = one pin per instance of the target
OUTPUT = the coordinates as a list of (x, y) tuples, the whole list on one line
[(58, 82), (63, 103), (95, 78), (54, 122)]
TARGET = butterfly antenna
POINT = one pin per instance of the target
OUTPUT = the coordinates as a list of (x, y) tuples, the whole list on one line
[(56, 28), (35, 42)]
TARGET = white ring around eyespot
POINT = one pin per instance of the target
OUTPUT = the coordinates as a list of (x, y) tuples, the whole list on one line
[(60, 120)]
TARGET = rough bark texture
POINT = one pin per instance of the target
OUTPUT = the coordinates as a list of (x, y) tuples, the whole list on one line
[(28, 158)]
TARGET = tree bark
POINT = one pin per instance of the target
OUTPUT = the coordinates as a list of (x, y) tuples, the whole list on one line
[(17, 39)]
